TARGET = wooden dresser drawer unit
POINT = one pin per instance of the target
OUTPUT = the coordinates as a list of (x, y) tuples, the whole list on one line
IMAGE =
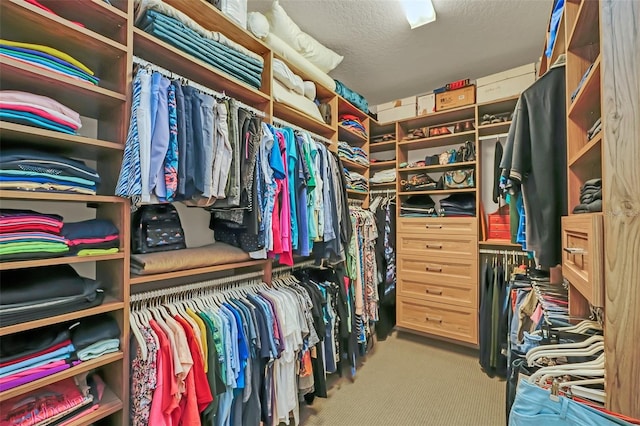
[(583, 254), (439, 226), (443, 270), (440, 245), (437, 290), (443, 320)]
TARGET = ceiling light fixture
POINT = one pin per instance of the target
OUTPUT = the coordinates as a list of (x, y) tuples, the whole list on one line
[(418, 12)]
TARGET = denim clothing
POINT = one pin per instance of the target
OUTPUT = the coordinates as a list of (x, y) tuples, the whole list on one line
[(171, 158), (211, 52), (159, 133), (533, 406), (193, 135), (182, 137), (52, 64)]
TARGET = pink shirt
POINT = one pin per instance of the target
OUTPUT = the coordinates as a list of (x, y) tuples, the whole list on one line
[(43, 101)]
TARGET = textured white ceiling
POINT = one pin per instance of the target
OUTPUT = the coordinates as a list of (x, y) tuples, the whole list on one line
[(386, 60)]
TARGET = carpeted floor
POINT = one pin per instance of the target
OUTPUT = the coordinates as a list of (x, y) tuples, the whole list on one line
[(411, 380)]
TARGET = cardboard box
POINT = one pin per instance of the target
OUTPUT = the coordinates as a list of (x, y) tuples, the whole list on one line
[(505, 84), (426, 104), (456, 98), (399, 109)]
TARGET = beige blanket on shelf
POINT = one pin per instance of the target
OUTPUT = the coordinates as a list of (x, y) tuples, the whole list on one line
[(190, 258)]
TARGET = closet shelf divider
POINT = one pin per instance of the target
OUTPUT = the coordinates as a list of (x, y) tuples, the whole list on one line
[(588, 96), (302, 120), (350, 136), (584, 31), (438, 141), (589, 154)]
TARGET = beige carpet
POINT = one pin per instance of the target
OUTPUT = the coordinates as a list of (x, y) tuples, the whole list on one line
[(411, 380)]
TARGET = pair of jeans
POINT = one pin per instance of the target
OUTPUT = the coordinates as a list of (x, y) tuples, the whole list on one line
[(192, 146), (534, 406)]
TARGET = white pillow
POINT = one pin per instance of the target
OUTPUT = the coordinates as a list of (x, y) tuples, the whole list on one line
[(282, 26), (284, 75), (258, 24), (310, 90), (289, 97)]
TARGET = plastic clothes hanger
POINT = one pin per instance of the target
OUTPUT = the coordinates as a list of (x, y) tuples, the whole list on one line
[(558, 353), (137, 333), (586, 343)]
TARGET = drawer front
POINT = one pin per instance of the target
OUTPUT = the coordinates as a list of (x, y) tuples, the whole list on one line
[(583, 255), (439, 270), (445, 245), (449, 321), (438, 225), (436, 290)]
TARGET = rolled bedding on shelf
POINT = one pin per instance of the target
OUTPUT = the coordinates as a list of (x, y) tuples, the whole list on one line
[(288, 97), (175, 32), (355, 98)]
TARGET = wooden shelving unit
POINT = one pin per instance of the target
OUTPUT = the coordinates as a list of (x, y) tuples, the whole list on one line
[(382, 164), (438, 167), (144, 279), (103, 44), (437, 141), (293, 116), (352, 165)]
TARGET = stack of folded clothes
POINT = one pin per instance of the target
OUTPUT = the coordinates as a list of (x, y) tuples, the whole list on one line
[(58, 404), (47, 58), (92, 237), (418, 206), (458, 205), (353, 123), (26, 234), (356, 181), (595, 129), (353, 153), (384, 176), (574, 94), (355, 98), (31, 170), (179, 30), (34, 293), (590, 197), (38, 353), (38, 111)]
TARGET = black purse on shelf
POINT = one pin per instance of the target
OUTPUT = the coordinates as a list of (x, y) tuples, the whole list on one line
[(156, 227)]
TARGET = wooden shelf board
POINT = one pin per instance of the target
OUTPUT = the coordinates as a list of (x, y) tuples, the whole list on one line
[(438, 141), (358, 193), (65, 374), (494, 129), (377, 129), (382, 146), (381, 185), (52, 196), (109, 304), (499, 243), (75, 146), (78, 95), (438, 167), (351, 165), (586, 29), (506, 100), (350, 136), (59, 32), (559, 46), (589, 154), (382, 164), (439, 192), (109, 404), (302, 120), (143, 279), (66, 260), (346, 107), (588, 96), (209, 17), (163, 54), (451, 115)]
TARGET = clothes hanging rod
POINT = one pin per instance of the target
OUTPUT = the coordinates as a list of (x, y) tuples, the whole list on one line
[(497, 136), (300, 265), (278, 122), (382, 191), (200, 87), (504, 252)]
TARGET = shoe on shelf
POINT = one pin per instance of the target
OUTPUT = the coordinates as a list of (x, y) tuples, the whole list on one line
[(468, 126), (458, 128), (434, 131), (486, 119), (495, 119), (444, 130)]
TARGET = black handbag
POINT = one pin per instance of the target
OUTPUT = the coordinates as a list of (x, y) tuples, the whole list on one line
[(156, 227), (466, 152)]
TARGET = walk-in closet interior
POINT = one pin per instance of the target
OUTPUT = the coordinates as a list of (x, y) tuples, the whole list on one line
[(288, 212)]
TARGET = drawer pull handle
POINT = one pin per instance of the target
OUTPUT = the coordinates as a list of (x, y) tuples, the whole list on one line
[(576, 251), (438, 320), (434, 246), (436, 292), (430, 269), (434, 226)]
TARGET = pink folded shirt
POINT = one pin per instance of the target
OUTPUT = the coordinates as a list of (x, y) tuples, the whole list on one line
[(48, 113), (92, 240), (43, 101)]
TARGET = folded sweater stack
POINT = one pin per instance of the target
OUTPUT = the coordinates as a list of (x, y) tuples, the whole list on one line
[(590, 197), (353, 153), (354, 124), (48, 58), (38, 111), (26, 234), (92, 237), (459, 205), (356, 181), (31, 170)]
